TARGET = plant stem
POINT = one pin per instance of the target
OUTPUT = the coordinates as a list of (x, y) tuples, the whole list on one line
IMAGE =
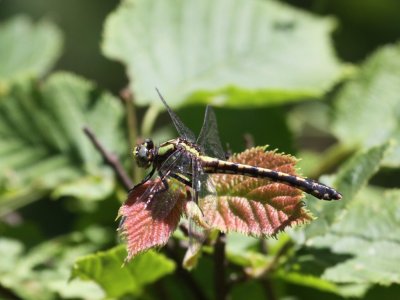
[(149, 120), (110, 159), (132, 125), (332, 157), (275, 261), (266, 282), (220, 284)]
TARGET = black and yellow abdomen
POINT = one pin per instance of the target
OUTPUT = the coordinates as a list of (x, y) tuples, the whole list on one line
[(318, 190)]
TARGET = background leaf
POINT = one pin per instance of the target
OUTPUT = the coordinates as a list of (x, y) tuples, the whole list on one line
[(230, 50), (105, 269), (27, 49), (42, 143), (369, 232), (350, 179), (43, 271), (315, 260), (367, 107)]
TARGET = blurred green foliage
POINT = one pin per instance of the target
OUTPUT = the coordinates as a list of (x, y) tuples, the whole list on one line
[(314, 78)]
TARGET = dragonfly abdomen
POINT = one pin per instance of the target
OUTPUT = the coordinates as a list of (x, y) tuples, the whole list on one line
[(309, 186)]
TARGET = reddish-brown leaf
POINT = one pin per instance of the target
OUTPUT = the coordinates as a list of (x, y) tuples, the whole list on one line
[(256, 206), (248, 205), (150, 221)]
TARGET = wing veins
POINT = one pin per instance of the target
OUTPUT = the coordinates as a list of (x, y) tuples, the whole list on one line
[(180, 127), (208, 139)]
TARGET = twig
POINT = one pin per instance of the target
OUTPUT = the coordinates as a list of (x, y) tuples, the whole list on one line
[(274, 263), (110, 159), (221, 288), (332, 158), (267, 271)]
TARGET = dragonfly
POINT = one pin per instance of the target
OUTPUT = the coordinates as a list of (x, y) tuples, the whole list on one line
[(190, 161)]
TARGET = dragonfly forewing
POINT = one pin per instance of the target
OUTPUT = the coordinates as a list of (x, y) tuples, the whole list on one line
[(208, 139), (180, 127)]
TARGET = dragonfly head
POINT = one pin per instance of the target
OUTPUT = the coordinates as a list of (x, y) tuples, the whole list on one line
[(144, 153)]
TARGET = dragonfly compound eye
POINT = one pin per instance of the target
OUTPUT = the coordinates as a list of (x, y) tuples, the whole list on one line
[(143, 155)]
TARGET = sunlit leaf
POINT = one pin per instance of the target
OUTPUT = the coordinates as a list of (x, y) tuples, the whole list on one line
[(367, 107), (234, 52), (369, 232), (348, 224), (42, 272), (255, 206), (27, 49), (105, 269), (350, 179), (355, 174), (306, 267)]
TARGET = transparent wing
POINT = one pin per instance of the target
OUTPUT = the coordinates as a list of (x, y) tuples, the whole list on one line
[(156, 191), (177, 163), (202, 190), (174, 162), (208, 198), (208, 138), (180, 127)]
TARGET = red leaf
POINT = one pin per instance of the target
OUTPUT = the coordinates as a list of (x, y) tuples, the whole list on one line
[(252, 206), (256, 206), (150, 221)]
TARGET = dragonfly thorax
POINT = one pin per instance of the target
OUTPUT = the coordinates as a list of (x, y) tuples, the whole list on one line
[(144, 153)]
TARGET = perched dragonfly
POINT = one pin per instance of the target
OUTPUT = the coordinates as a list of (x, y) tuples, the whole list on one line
[(190, 161)]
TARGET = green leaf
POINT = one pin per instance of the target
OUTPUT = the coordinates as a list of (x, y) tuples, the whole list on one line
[(307, 280), (359, 169), (42, 272), (105, 268), (370, 233), (10, 251), (318, 283), (91, 187), (232, 52), (306, 267), (367, 107), (350, 179), (27, 49), (42, 144)]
